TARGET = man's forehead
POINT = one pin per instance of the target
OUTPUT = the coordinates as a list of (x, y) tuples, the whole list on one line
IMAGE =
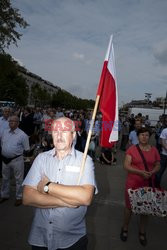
[(63, 125)]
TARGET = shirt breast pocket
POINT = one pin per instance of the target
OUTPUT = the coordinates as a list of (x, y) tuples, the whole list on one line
[(71, 175), (19, 143)]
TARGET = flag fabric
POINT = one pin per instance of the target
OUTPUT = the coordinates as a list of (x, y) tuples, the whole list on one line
[(107, 90)]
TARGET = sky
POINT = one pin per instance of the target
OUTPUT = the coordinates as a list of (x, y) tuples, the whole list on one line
[(67, 40)]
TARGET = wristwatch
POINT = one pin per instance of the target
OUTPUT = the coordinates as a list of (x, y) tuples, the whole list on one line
[(46, 187)]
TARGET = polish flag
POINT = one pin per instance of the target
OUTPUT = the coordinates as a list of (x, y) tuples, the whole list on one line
[(107, 90)]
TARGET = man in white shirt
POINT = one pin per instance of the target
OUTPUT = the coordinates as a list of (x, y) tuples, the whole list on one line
[(147, 122), (13, 143), (163, 138), (4, 124), (133, 139), (4, 120)]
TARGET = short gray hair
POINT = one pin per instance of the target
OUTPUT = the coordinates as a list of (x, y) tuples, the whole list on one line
[(14, 117)]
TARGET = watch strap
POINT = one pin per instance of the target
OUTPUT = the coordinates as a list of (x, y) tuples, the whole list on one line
[(47, 184)]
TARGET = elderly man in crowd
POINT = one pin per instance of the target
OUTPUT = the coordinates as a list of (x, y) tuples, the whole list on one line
[(13, 143), (133, 139), (4, 120), (163, 140), (4, 124), (51, 186)]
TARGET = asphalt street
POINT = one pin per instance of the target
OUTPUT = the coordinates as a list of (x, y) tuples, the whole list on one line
[(104, 217)]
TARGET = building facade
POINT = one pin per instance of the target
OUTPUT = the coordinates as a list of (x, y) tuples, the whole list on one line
[(32, 80)]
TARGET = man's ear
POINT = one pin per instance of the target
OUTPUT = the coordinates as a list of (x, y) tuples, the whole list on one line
[(74, 135)]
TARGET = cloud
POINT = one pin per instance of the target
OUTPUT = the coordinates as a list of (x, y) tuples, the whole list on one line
[(160, 52), (67, 40), (78, 56)]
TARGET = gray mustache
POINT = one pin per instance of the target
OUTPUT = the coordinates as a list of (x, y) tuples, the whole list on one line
[(60, 140)]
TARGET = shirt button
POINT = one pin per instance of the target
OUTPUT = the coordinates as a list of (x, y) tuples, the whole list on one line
[(50, 222)]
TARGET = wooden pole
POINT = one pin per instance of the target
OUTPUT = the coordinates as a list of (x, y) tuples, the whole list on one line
[(88, 139)]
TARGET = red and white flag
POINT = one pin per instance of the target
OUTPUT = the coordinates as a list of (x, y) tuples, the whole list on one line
[(107, 90)]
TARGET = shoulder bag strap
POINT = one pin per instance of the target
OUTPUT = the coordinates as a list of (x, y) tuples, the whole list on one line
[(144, 162)]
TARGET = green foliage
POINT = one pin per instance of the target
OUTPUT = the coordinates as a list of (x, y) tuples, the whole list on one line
[(66, 100), (12, 86), (40, 96), (10, 19)]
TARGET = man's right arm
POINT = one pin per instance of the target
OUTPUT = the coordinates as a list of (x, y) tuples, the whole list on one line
[(32, 197), (163, 138)]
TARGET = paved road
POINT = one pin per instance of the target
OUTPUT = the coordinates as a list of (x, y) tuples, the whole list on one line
[(104, 218)]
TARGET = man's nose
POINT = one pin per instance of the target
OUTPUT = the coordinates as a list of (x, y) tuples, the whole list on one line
[(59, 134)]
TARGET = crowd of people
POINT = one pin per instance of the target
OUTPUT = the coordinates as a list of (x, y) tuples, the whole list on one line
[(36, 123), (40, 139)]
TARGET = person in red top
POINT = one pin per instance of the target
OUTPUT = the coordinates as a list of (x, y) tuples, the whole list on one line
[(138, 177)]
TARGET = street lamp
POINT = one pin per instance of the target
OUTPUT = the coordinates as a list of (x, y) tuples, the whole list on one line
[(148, 96)]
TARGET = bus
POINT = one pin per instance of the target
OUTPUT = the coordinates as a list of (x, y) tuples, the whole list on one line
[(7, 104)]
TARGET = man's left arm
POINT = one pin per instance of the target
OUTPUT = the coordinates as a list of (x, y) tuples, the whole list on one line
[(75, 195), (26, 145)]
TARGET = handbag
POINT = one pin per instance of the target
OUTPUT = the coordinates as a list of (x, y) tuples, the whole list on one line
[(148, 200)]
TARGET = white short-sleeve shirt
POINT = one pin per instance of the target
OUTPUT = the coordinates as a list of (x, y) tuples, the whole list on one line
[(163, 136)]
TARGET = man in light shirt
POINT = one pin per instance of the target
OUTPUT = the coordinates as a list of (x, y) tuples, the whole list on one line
[(13, 143), (133, 139), (52, 187), (163, 162), (4, 120), (4, 124)]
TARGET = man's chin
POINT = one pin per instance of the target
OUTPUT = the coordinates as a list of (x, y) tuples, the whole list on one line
[(60, 148)]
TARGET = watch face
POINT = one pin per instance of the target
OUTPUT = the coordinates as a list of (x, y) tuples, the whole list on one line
[(46, 188)]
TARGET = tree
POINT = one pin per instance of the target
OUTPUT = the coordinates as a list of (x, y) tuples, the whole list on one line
[(10, 19), (12, 85), (40, 97), (66, 100)]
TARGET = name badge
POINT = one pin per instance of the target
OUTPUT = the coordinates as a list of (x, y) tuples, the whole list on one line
[(75, 169)]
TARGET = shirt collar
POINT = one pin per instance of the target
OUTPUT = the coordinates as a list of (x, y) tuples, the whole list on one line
[(13, 131), (3, 118)]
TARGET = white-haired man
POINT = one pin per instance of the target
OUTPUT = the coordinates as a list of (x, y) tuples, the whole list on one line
[(4, 120), (51, 186), (13, 142), (4, 124)]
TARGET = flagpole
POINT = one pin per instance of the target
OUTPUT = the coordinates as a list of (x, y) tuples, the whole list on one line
[(88, 138)]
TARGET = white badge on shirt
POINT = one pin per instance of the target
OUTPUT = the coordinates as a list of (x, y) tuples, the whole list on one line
[(75, 169)]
